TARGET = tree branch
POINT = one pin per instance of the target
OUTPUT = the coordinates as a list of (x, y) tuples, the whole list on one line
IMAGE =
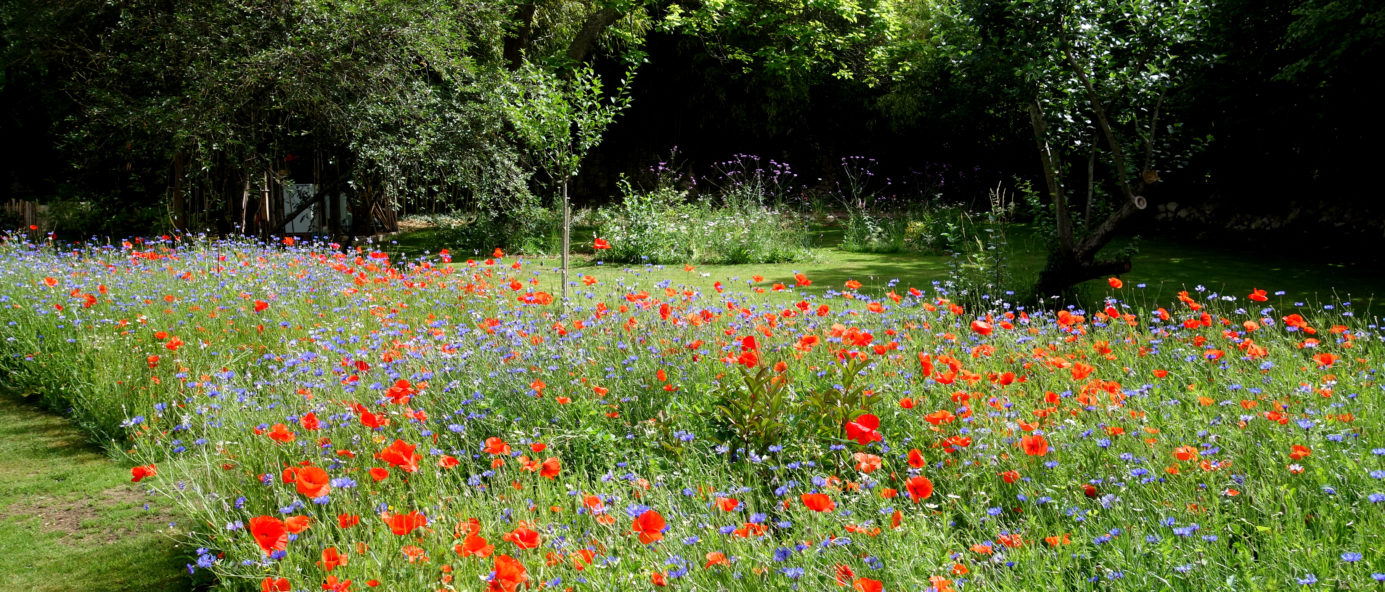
[(1117, 154), (591, 30), (1101, 235), (1055, 190)]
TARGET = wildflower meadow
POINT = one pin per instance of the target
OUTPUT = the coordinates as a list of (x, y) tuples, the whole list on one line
[(338, 419)]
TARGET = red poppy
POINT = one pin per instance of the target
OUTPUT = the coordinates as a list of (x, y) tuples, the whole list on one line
[(844, 574), (509, 574), (474, 545), (331, 559), (1185, 453), (1115, 283), (348, 520), (920, 488), (916, 459), (496, 446), (1035, 445), (728, 504), (401, 392), (275, 585), (401, 454), (750, 529), (864, 584), (601, 244), (818, 502), (297, 524), (138, 473), (863, 428), (270, 533), (313, 482), (378, 473), (650, 526), (1299, 452), (371, 420), (980, 327), (1258, 295), (523, 537), (716, 558), (280, 433), (866, 463), (402, 524)]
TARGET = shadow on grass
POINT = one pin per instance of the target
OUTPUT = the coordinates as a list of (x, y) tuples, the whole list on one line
[(69, 517)]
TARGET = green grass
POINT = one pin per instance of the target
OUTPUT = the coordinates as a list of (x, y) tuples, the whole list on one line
[(1265, 518), (69, 517), (1166, 266)]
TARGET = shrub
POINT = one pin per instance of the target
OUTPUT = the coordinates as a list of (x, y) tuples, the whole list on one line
[(662, 227), (528, 229)]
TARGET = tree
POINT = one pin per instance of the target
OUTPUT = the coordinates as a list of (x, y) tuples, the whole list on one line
[(1095, 79), (392, 101), (561, 119)]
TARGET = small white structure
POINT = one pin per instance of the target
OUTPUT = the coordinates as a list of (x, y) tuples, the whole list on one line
[(311, 215)]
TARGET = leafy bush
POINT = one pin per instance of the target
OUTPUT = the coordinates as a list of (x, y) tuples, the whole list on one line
[(661, 226), (935, 230), (528, 229), (867, 232)]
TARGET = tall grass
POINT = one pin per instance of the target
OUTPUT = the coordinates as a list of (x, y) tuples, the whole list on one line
[(1172, 429)]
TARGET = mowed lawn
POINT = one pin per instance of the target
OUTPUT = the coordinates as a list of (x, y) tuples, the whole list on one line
[(69, 517), (1160, 268)]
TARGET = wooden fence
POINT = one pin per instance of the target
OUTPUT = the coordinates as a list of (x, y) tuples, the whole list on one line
[(23, 210)]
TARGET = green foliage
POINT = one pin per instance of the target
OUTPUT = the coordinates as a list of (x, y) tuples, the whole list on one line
[(834, 405), (384, 102), (753, 412), (868, 232), (560, 118), (795, 39), (662, 226), (935, 229), (529, 229)]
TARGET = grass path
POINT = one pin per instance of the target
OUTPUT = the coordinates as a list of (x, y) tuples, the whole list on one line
[(69, 517)]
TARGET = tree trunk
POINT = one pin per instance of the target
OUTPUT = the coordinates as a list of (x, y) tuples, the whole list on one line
[(567, 237), (180, 209), (245, 202), (1051, 167), (1061, 273), (518, 43), (591, 30), (1071, 263)]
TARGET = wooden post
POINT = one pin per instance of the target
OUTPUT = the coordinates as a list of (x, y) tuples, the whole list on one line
[(567, 238)]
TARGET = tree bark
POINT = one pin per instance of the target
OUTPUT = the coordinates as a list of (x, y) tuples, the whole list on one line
[(518, 43), (245, 206), (595, 24), (180, 209), (1051, 172)]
